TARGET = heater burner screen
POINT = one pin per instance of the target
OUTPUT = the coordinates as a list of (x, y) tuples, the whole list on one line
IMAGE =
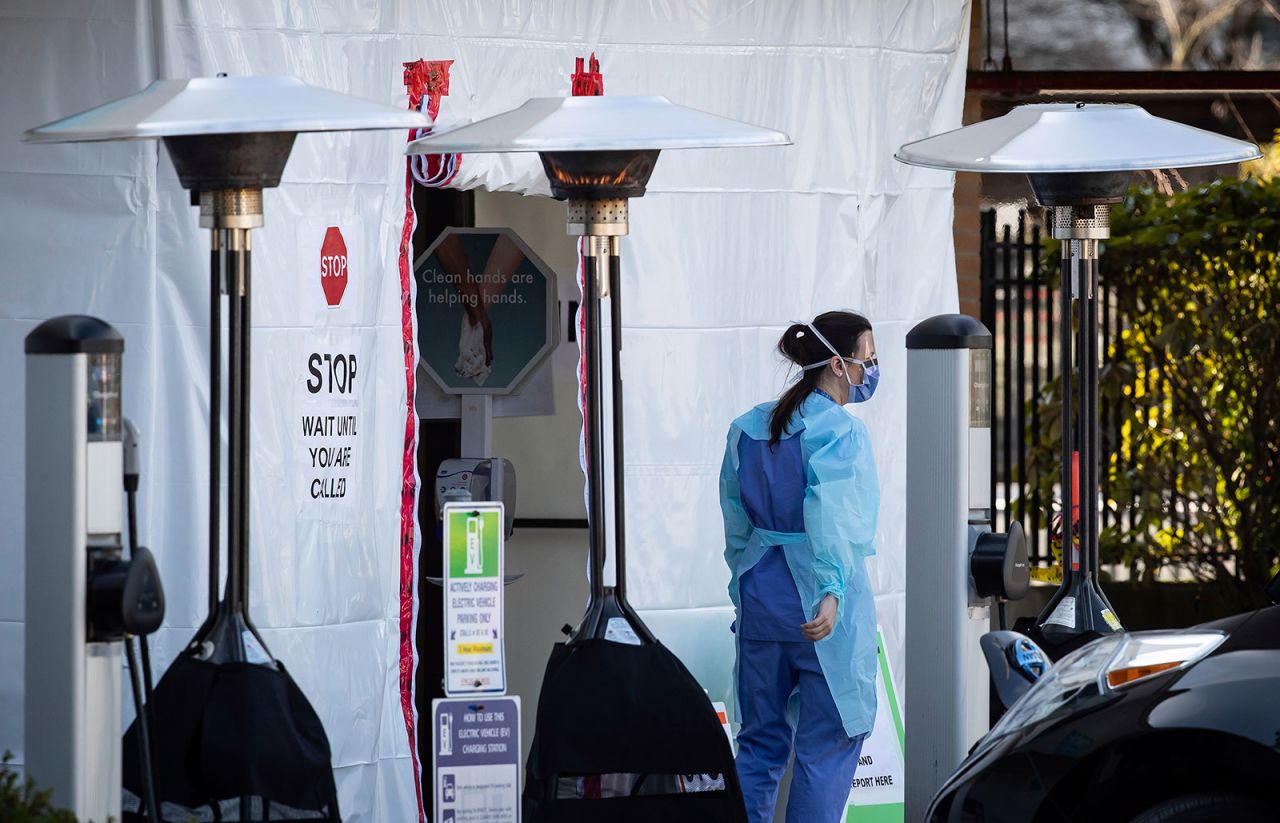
[(1081, 222)]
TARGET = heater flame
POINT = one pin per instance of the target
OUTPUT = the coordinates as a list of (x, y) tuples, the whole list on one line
[(597, 174), (636, 169)]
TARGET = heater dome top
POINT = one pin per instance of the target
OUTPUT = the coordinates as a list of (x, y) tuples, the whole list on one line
[(604, 123), (224, 105), (1047, 138)]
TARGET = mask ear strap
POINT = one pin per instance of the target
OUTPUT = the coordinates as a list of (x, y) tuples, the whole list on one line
[(824, 342)]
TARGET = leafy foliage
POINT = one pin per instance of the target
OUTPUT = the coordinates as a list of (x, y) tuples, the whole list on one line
[(1194, 379), (22, 802)]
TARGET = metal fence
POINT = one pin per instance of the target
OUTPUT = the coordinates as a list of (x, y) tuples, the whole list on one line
[(1020, 306)]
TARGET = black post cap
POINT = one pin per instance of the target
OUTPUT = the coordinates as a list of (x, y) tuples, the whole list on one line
[(74, 334), (949, 331)]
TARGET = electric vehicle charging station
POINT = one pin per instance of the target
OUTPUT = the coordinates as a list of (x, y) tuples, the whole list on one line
[(82, 596), (956, 565)]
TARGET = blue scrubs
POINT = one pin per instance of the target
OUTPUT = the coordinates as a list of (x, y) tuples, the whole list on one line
[(784, 698)]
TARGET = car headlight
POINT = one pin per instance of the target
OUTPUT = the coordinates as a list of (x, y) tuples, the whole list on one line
[(1146, 654), (1104, 666)]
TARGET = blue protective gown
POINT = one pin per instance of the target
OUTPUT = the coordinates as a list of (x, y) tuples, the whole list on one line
[(800, 517)]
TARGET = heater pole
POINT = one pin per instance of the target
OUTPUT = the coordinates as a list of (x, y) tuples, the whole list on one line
[(619, 463), (217, 271), (1070, 555), (232, 214), (593, 420), (246, 333), (1083, 428), (235, 387), (1079, 609), (602, 223), (619, 482), (1095, 439)]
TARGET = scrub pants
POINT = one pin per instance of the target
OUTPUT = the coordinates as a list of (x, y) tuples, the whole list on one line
[(826, 757)]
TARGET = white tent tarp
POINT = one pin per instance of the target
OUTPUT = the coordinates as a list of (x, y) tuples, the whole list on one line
[(727, 247)]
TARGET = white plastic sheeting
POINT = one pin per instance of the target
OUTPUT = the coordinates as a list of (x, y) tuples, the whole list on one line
[(727, 247), (105, 229)]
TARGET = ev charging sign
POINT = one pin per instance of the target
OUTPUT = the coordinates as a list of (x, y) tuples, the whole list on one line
[(474, 651)]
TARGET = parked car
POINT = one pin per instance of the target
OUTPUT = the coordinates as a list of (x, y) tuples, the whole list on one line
[(1149, 727)]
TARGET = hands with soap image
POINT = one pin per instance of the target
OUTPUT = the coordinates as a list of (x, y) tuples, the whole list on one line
[(475, 338)]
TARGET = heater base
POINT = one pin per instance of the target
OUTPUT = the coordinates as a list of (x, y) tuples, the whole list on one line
[(1078, 613)]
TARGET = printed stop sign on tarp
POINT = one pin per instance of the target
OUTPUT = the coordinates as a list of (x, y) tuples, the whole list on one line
[(333, 265)]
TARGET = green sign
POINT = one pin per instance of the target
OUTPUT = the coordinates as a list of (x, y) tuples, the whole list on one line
[(877, 792), (486, 308), (475, 540), (474, 654)]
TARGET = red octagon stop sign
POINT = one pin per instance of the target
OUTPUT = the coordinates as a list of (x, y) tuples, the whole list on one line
[(333, 266)]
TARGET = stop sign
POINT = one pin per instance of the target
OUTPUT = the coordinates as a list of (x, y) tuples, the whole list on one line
[(333, 266)]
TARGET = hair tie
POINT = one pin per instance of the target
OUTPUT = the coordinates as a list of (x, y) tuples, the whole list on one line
[(800, 334)]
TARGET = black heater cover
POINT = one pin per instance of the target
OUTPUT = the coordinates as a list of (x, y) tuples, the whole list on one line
[(615, 709), (240, 738)]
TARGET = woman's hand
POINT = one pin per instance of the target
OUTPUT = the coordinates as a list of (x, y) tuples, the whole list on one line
[(825, 621)]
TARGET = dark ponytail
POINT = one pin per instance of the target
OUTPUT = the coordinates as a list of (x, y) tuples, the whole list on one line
[(802, 347)]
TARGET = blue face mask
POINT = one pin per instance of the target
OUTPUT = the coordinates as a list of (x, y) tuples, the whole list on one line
[(862, 392)]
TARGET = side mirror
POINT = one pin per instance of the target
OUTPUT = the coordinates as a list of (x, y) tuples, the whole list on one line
[(1016, 662)]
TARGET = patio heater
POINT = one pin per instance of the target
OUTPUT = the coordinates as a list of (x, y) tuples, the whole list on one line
[(235, 737), (598, 152), (1078, 158)]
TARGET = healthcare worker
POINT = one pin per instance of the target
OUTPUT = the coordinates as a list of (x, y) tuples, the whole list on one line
[(800, 499)]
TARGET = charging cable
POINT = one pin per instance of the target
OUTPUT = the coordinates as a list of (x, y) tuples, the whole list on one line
[(139, 682)]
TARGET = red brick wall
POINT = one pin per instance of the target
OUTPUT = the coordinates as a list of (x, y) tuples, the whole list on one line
[(968, 196)]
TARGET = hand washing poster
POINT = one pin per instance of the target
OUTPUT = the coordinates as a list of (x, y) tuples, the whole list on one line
[(486, 310)]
